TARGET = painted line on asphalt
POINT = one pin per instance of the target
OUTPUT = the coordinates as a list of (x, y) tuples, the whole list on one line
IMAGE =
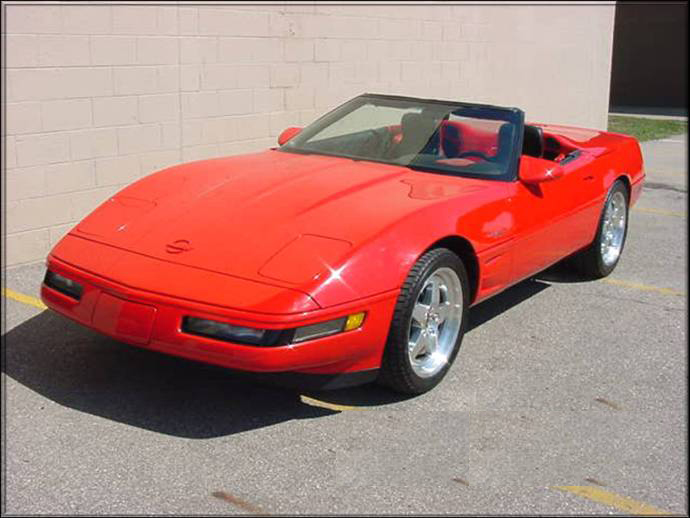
[(644, 287), (330, 406), (672, 141), (661, 212), (24, 299), (622, 503), (238, 502), (608, 403)]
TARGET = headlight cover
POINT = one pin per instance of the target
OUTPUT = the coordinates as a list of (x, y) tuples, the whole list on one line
[(64, 285), (270, 337), (230, 333)]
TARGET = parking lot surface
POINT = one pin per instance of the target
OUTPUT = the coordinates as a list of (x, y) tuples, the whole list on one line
[(567, 397)]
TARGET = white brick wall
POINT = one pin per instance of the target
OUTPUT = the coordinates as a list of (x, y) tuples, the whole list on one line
[(99, 95)]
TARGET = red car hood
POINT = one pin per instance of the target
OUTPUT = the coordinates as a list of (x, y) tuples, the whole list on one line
[(273, 216)]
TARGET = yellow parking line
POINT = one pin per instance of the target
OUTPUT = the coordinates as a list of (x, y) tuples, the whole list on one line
[(661, 212), (24, 299), (644, 287), (239, 502), (330, 406), (623, 503)]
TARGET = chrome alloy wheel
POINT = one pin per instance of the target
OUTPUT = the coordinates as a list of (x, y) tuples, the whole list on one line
[(435, 322), (613, 229)]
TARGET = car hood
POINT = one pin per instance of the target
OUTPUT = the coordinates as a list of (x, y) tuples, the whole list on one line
[(276, 217)]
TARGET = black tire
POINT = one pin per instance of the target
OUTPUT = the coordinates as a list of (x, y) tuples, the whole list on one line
[(589, 262), (396, 371)]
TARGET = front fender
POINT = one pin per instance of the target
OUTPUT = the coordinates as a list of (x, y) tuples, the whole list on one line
[(382, 263)]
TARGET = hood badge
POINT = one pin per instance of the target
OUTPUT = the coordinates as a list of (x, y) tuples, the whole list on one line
[(179, 246)]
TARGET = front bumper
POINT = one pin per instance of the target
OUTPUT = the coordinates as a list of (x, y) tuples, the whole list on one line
[(152, 320)]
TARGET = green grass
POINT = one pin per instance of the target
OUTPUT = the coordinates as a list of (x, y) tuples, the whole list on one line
[(646, 129)]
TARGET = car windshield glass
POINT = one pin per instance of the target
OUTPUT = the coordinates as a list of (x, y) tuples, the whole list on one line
[(436, 136)]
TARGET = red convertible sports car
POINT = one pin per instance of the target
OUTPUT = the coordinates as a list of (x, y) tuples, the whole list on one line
[(352, 251)]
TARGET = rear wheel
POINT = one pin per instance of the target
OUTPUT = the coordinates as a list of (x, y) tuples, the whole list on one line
[(428, 323), (601, 257)]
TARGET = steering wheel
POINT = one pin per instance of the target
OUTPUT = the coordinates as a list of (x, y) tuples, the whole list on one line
[(478, 154)]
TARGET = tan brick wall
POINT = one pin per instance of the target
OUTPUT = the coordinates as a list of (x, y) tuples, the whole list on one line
[(98, 95)]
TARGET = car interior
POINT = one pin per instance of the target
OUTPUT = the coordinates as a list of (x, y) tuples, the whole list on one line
[(456, 140), (539, 144), (449, 140)]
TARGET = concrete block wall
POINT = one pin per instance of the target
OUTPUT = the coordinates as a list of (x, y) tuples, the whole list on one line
[(98, 95)]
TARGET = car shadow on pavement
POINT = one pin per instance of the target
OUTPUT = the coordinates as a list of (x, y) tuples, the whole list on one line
[(80, 369), (489, 309), (86, 371)]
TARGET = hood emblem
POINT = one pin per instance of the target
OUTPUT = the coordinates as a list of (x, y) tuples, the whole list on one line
[(179, 246)]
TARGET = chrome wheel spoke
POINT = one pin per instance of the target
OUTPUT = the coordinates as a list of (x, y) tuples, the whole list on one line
[(419, 313), (435, 293), (420, 346), (613, 228), (435, 322), (431, 343), (445, 310)]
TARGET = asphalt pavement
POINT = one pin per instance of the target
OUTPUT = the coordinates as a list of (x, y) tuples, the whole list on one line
[(567, 397)]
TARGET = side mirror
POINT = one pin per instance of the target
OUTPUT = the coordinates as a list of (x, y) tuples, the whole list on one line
[(537, 170), (287, 134)]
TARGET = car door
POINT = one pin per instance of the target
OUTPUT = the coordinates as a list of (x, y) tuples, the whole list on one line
[(548, 221), (587, 195)]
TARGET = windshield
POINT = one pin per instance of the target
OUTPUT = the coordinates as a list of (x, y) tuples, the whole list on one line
[(437, 136)]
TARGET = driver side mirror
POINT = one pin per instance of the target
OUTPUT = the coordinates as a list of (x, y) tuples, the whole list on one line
[(287, 134), (537, 170)]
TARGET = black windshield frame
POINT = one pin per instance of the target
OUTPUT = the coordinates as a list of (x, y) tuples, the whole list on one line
[(514, 116)]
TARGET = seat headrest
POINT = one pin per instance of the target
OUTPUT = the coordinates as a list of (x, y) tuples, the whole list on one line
[(410, 120), (417, 131), (533, 141), (505, 141)]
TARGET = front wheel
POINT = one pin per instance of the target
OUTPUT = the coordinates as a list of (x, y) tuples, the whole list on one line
[(428, 323), (601, 257)]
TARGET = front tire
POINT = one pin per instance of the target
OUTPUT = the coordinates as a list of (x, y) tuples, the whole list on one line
[(428, 324), (601, 257)]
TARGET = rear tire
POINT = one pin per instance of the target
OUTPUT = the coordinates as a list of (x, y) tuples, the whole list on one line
[(428, 324), (600, 258)]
